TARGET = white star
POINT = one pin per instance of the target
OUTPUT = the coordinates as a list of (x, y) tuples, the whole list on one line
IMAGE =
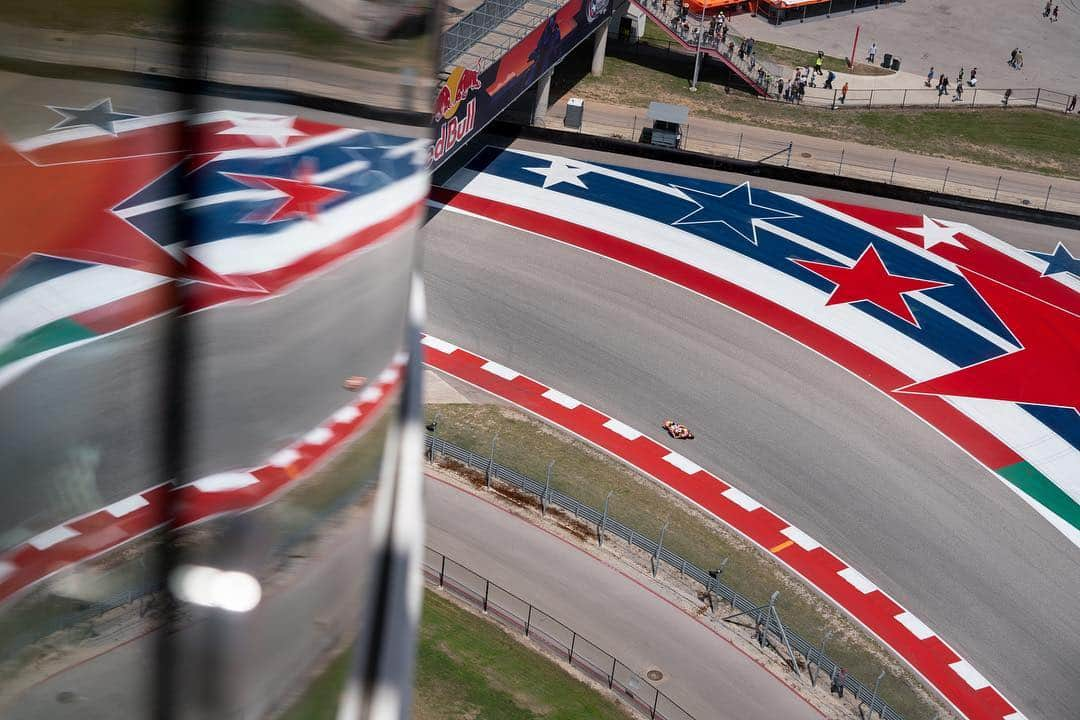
[(562, 171), (264, 130), (935, 232)]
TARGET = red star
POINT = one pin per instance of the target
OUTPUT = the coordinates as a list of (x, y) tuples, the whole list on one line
[(303, 198), (64, 211), (868, 279), (1045, 371)]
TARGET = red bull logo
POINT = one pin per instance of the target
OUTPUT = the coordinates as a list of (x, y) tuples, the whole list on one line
[(455, 91), (451, 132)]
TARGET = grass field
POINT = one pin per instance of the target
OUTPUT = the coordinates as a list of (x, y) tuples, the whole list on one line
[(587, 474), (1018, 138), (468, 667)]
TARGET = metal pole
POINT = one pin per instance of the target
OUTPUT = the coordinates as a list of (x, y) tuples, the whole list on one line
[(491, 460), (1047, 203), (611, 677), (873, 697), (946, 181), (547, 490), (870, 102), (783, 633), (442, 571), (697, 54), (820, 654), (434, 429), (833, 98), (487, 589), (892, 173), (851, 62), (788, 163), (656, 702), (573, 641), (1038, 91), (840, 167), (738, 151), (659, 546), (903, 100), (603, 522), (528, 621), (997, 188)]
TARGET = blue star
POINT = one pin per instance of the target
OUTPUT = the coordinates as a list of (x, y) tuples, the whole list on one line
[(735, 209), (1061, 260)]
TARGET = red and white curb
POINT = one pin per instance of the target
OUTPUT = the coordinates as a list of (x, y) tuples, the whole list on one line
[(98, 532), (911, 639)]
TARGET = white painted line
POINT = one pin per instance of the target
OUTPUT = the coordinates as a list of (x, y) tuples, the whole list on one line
[(436, 344), (741, 499), (346, 414), (682, 463), (622, 429), (562, 399), (223, 482), (800, 538), (47, 539), (914, 625), (388, 375), (1015, 716), (501, 370), (401, 358), (6, 569), (318, 436), (970, 675), (858, 580), (370, 394), (128, 505), (283, 458)]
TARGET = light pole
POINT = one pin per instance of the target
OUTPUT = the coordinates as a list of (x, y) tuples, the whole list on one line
[(697, 55)]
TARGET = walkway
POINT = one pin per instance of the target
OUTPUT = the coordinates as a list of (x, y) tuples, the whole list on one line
[(849, 159), (703, 672)]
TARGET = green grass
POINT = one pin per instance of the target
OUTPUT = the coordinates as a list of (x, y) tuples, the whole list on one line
[(1017, 138), (588, 474), (792, 57), (468, 667)]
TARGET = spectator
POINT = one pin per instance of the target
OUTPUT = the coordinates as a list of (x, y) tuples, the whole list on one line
[(1020, 60), (872, 53), (960, 75), (839, 680), (817, 62), (1005, 100), (1046, 10), (971, 80), (779, 87), (930, 76), (1012, 57), (843, 94), (1072, 104), (829, 80), (959, 92), (1054, 15)]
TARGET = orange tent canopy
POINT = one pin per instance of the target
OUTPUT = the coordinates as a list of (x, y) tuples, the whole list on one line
[(709, 7)]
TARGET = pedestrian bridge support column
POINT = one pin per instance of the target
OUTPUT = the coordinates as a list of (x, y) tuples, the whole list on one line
[(543, 90), (600, 48)]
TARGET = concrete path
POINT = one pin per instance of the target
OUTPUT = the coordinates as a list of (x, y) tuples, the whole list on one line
[(703, 673), (850, 159)]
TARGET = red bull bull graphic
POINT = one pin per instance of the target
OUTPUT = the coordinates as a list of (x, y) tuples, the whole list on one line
[(486, 93)]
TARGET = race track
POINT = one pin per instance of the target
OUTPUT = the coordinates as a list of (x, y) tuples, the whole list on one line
[(859, 473)]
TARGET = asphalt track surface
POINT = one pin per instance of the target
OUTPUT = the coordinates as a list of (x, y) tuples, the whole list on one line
[(707, 676), (841, 461), (856, 471)]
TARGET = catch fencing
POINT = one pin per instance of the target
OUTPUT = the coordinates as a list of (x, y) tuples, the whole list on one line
[(557, 638), (769, 628)]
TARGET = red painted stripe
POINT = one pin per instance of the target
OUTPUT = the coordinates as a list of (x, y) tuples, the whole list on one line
[(982, 445), (875, 610)]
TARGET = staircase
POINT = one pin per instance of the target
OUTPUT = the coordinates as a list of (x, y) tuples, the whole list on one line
[(683, 33)]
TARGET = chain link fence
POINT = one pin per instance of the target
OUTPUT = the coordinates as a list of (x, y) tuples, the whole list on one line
[(550, 634), (769, 629)]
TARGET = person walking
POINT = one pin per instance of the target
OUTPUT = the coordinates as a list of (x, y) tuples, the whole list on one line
[(930, 76), (971, 79), (1072, 104), (829, 80), (960, 75), (1054, 15), (779, 87), (872, 53), (959, 92), (817, 62), (1005, 100), (1012, 57), (843, 94), (1046, 10), (1020, 60)]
